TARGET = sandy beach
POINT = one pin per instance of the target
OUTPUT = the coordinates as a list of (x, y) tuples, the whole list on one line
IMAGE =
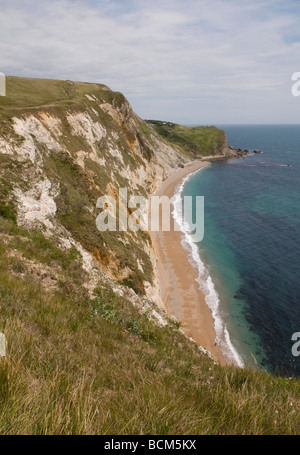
[(179, 289)]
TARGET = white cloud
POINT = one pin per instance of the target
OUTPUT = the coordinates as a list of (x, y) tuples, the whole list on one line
[(182, 60)]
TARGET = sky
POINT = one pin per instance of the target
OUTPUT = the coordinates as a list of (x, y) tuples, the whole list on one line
[(186, 61)]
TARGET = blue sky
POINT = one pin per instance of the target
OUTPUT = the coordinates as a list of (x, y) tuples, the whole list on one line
[(187, 61)]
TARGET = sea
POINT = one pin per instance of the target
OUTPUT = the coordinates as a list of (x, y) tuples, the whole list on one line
[(248, 261)]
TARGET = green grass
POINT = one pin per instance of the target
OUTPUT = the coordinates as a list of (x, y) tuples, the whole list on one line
[(77, 365), (193, 141), (26, 92), (29, 93)]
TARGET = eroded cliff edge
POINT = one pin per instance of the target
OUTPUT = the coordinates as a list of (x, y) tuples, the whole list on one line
[(64, 144)]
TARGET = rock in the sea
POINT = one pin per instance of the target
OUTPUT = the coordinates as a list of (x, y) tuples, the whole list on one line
[(256, 151)]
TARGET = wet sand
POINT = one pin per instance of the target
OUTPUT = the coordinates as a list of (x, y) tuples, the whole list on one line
[(179, 289)]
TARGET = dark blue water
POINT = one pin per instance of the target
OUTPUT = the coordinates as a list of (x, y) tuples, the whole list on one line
[(251, 244)]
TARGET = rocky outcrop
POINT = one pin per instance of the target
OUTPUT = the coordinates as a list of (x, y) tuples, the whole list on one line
[(237, 153)]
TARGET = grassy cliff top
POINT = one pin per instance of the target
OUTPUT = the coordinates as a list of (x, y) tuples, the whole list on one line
[(195, 141), (24, 92), (31, 94)]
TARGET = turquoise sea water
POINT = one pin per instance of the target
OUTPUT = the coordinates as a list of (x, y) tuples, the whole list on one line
[(250, 254)]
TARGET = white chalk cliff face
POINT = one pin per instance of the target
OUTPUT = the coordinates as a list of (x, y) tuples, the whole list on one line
[(37, 204), (67, 158)]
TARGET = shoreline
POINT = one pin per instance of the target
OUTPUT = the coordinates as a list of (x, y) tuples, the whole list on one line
[(179, 290)]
